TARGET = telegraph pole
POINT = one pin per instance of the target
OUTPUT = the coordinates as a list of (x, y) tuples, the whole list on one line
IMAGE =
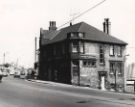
[(35, 49)]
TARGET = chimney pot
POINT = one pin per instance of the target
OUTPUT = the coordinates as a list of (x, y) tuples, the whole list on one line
[(70, 23), (52, 25), (106, 26)]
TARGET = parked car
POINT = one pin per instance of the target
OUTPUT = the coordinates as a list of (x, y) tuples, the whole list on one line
[(5, 74), (16, 75)]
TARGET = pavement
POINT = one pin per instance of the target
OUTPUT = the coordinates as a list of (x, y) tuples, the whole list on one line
[(66, 85), (61, 84)]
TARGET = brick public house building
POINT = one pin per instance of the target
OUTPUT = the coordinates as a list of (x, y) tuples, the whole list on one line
[(82, 55)]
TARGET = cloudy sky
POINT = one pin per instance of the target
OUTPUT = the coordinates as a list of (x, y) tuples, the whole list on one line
[(21, 20)]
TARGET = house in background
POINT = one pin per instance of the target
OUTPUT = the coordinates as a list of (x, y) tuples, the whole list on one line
[(82, 55)]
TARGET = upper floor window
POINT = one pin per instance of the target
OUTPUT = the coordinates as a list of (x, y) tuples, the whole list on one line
[(115, 50), (101, 53), (71, 34), (111, 50), (119, 51), (77, 47), (81, 35), (76, 35)]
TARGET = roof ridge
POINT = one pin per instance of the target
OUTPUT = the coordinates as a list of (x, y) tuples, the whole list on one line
[(72, 25), (81, 24)]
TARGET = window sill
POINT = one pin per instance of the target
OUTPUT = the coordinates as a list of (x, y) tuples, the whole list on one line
[(119, 56), (102, 64), (112, 55)]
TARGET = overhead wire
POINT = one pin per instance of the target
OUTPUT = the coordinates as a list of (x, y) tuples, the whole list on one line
[(80, 14), (83, 13)]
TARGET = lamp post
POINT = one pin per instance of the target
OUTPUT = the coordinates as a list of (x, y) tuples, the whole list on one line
[(115, 75)]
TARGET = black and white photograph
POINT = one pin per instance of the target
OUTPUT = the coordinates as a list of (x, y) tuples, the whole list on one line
[(67, 53)]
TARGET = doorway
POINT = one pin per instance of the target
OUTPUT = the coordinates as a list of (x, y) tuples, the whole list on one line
[(102, 80)]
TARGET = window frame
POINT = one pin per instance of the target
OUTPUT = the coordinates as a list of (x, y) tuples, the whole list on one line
[(75, 47), (117, 68), (101, 55), (79, 47), (112, 68), (89, 63), (112, 49), (76, 35), (119, 51)]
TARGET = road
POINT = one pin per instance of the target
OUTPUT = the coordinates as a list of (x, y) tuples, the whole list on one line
[(21, 93)]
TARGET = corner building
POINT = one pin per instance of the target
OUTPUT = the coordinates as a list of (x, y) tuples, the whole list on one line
[(82, 55)]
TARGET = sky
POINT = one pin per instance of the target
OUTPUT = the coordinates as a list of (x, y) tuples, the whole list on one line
[(21, 20)]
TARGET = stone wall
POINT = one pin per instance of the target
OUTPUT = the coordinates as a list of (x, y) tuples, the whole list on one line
[(90, 76)]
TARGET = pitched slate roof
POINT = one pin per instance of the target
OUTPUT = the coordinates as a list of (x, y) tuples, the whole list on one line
[(91, 34)]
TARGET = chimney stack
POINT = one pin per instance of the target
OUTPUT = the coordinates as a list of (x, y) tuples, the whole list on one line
[(52, 25), (106, 26)]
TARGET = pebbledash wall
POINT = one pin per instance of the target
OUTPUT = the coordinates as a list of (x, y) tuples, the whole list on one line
[(90, 75)]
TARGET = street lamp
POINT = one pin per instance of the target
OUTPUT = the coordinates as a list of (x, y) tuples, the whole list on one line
[(115, 75)]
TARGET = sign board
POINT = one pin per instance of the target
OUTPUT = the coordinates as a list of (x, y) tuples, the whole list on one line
[(130, 82)]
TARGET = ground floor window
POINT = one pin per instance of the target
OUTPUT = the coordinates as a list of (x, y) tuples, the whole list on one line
[(75, 65), (116, 68), (89, 63)]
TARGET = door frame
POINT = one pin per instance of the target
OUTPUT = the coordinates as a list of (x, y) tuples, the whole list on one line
[(100, 74)]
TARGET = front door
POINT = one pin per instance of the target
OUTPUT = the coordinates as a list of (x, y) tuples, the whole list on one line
[(102, 84), (102, 79), (75, 73)]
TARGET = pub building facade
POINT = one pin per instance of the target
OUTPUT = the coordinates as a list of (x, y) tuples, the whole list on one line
[(81, 54)]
